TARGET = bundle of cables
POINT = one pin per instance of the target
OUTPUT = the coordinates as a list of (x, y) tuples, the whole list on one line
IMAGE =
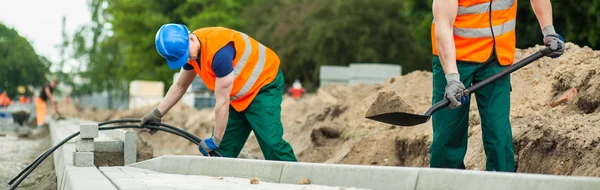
[(102, 126)]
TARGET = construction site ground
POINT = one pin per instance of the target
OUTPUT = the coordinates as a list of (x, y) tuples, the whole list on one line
[(330, 126), (18, 152)]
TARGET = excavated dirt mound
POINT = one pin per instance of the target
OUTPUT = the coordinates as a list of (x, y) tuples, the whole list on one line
[(330, 126)]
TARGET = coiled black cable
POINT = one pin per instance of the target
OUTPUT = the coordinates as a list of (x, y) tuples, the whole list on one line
[(167, 128)]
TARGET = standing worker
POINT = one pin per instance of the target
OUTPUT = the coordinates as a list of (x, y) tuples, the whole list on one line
[(245, 78), (40, 102), (467, 50), (4, 99)]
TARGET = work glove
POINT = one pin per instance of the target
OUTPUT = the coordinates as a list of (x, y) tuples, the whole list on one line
[(455, 91), (208, 145), (554, 41), (153, 116)]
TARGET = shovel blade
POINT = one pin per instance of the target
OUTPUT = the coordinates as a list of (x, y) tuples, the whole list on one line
[(400, 118)]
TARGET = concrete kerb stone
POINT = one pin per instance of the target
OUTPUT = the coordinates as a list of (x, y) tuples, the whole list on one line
[(357, 176), (110, 144), (151, 164), (68, 175), (85, 145), (88, 130), (130, 147), (269, 171), (472, 180), (84, 159), (129, 139)]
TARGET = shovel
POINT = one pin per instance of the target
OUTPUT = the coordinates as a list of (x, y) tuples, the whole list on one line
[(408, 119)]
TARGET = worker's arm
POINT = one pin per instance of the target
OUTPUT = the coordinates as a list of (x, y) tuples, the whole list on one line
[(49, 94), (222, 66), (222, 91), (176, 90), (543, 12), (444, 12)]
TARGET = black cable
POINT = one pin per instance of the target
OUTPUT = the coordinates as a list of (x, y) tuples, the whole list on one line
[(198, 140), (44, 155), (39, 160)]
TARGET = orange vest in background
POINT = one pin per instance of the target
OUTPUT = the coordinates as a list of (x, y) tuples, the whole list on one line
[(254, 65), (475, 39)]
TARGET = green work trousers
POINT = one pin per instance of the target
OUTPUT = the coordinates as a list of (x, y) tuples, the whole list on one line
[(451, 126), (263, 116)]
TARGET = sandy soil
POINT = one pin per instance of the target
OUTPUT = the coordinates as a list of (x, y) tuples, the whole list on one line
[(16, 154), (560, 140)]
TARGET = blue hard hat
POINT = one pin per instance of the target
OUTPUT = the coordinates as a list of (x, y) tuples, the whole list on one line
[(172, 43)]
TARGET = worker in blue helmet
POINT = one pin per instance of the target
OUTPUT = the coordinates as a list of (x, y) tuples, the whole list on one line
[(245, 78)]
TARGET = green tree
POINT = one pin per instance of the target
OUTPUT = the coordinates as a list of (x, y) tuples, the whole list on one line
[(577, 22), (20, 64), (309, 33)]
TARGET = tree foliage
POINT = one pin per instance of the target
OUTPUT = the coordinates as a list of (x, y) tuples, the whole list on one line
[(309, 33), (21, 65), (305, 33)]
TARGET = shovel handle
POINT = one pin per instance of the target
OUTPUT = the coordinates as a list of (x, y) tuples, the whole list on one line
[(491, 79)]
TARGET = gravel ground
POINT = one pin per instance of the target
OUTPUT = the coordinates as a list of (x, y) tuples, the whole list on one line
[(17, 153)]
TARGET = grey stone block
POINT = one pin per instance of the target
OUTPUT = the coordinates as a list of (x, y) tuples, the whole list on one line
[(130, 147), (472, 180), (370, 70), (268, 171), (88, 130), (351, 175), (108, 145), (84, 159), (334, 72), (85, 145)]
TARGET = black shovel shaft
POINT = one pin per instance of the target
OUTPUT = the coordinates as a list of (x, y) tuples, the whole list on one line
[(495, 77)]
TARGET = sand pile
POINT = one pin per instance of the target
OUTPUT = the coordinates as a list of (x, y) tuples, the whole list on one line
[(330, 126)]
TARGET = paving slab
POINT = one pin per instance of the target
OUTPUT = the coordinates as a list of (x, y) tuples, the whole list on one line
[(146, 179), (351, 175), (89, 178)]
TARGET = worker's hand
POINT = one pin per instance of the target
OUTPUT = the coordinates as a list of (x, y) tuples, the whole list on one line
[(208, 145), (153, 116), (455, 91), (554, 41)]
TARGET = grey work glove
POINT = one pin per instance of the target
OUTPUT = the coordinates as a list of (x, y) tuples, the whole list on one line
[(554, 41), (208, 145), (153, 116), (455, 91)]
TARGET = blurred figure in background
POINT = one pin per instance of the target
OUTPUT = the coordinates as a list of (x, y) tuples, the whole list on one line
[(40, 102), (296, 91), (4, 99)]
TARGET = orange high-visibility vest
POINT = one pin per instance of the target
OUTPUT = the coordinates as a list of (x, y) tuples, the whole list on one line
[(254, 65), (482, 26)]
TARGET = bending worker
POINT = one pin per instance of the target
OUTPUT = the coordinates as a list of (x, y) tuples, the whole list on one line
[(40, 102), (467, 50), (245, 78)]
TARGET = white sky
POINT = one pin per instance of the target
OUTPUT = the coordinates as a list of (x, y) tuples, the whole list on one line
[(40, 21)]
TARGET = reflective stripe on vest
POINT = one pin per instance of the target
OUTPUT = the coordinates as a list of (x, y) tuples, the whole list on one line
[(486, 32), (485, 7), (262, 51)]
